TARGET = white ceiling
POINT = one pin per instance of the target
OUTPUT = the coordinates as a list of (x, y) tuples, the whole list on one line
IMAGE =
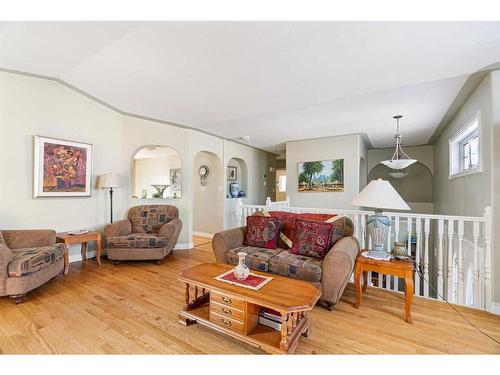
[(275, 81)]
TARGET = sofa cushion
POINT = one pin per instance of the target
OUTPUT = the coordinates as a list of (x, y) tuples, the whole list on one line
[(29, 260), (262, 232), (296, 266), (289, 219), (137, 240), (257, 258), (312, 238), (149, 218)]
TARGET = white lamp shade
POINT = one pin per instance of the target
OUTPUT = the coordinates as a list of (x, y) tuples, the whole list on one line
[(108, 180), (380, 194)]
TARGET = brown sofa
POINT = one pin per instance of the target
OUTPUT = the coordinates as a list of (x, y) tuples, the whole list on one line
[(28, 259), (330, 274), (150, 232)]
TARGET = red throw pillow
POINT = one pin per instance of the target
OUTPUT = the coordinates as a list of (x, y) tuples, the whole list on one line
[(262, 231), (312, 238)]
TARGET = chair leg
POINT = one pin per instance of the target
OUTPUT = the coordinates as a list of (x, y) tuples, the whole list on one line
[(18, 298)]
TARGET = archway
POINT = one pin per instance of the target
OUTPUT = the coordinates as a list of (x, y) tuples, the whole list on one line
[(207, 194), (414, 184)]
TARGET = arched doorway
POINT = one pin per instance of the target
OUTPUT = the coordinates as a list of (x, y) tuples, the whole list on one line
[(207, 194)]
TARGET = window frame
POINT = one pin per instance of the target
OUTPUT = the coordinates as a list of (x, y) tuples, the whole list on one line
[(471, 130), (462, 144)]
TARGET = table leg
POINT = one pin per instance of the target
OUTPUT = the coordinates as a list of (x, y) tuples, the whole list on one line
[(357, 274), (99, 250), (408, 295), (365, 280), (66, 259), (84, 250)]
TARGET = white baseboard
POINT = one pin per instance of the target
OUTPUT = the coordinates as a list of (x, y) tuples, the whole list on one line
[(77, 257), (495, 308), (204, 234), (183, 246)]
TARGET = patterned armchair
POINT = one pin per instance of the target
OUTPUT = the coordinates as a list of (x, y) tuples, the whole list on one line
[(28, 259), (149, 232)]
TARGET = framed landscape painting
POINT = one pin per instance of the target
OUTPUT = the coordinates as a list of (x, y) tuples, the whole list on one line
[(321, 176), (62, 168)]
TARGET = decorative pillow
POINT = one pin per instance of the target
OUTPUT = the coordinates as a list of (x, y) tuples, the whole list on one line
[(312, 238), (262, 232)]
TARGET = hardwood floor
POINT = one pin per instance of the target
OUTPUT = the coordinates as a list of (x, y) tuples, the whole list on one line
[(132, 308)]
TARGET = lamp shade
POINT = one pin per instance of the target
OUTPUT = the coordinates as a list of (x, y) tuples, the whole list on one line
[(381, 195), (108, 180)]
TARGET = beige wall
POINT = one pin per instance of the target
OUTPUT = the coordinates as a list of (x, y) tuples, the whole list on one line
[(350, 148), (469, 195), (208, 199), (31, 106)]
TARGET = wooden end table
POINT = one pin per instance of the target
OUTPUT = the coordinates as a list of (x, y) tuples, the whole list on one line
[(234, 310), (69, 239), (399, 268)]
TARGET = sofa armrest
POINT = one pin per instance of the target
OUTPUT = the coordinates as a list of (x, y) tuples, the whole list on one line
[(171, 231), (118, 228), (19, 239), (337, 268), (5, 258), (227, 240)]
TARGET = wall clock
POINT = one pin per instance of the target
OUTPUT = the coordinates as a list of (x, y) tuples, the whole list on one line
[(203, 173)]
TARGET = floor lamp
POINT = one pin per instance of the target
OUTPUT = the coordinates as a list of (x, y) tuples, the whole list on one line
[(109, 181)]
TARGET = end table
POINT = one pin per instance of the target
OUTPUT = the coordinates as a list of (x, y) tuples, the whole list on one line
[(69, 239), (400, 268)]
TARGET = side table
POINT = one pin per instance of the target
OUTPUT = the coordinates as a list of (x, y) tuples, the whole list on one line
[(399, 268), (69, 239)]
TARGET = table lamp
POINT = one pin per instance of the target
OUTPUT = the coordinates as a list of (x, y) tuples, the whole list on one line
[(379, 194), (109, 181)]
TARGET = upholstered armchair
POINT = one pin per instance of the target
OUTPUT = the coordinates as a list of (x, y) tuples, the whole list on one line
[(28, 259), (150, 232)]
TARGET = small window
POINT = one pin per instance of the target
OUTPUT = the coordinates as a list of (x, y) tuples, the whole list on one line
[(465, 150)]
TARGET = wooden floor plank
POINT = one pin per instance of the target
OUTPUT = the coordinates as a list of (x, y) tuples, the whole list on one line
[(132, 308)]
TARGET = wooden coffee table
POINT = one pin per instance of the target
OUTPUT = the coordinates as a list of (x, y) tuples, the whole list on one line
[(234, 310)]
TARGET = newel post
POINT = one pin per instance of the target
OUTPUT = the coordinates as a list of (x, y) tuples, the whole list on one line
[(239, 209), (487, 260), (268, 201)]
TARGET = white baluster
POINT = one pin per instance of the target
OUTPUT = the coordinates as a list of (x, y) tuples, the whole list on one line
[(268, 201), (427, 230), (357, 228), (409, 227), (440, 275), (487, 260), (475, 282), (239, 212), (389, 249), (449, 281), (418, 230), (363, 242), (461, 283)]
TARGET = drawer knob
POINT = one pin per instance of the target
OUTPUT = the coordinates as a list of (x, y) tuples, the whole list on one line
[(226, 311), (226, 322), (227, 300)]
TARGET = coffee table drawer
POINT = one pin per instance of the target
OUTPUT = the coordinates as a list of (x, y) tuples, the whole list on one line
[(226, 322), (226, 300), (226, 310)]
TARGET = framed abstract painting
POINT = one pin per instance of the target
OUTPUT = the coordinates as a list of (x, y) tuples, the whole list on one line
[(62, 168)]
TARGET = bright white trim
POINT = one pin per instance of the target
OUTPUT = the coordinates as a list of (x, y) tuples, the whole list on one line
[(495, 308), (183, 246), (454, 163), (203, 234)]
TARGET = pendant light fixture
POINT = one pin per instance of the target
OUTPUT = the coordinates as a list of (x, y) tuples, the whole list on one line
[(399, 159)]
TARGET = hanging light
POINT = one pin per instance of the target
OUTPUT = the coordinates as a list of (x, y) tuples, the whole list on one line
[(399, 159)]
